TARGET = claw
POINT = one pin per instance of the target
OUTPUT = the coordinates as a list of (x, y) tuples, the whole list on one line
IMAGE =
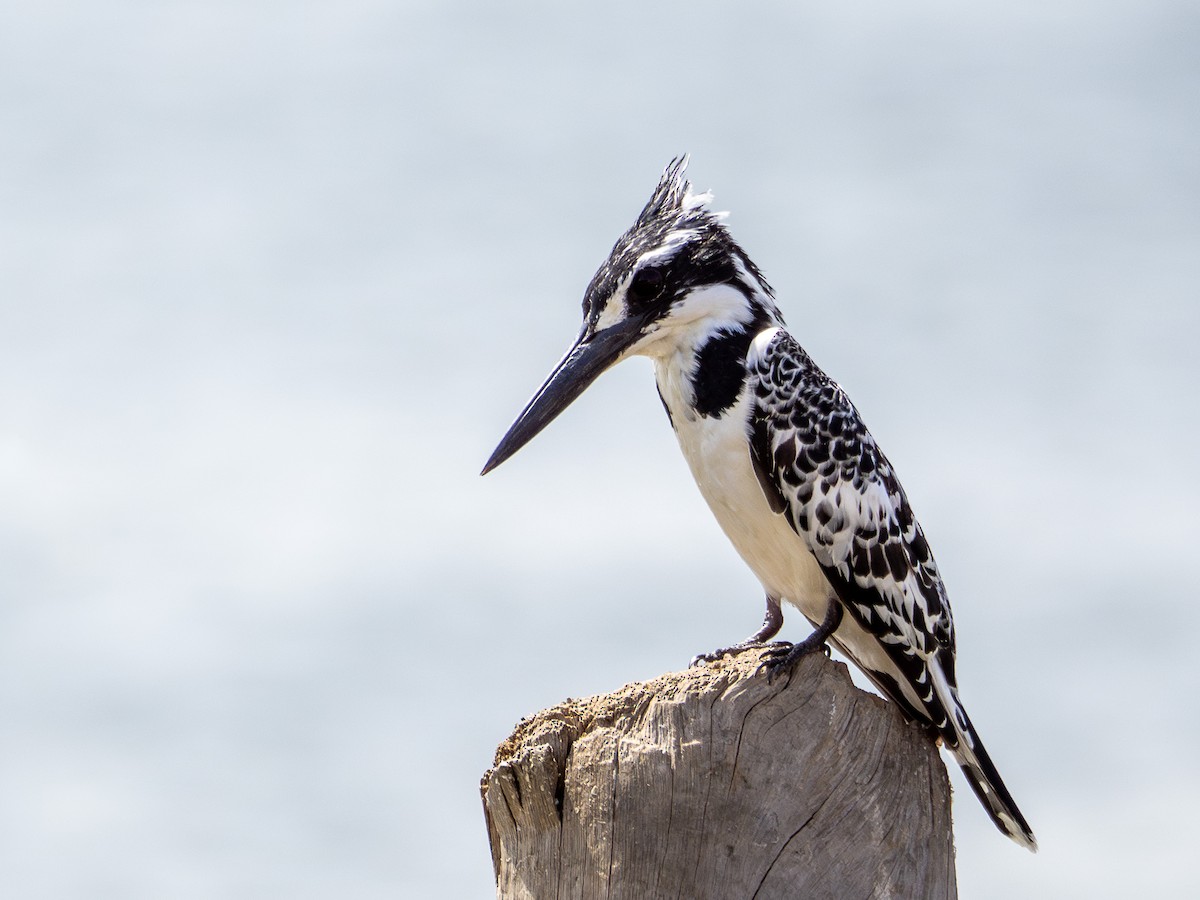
[(781, 657), (774, 660), (744, 646), (761, 638)]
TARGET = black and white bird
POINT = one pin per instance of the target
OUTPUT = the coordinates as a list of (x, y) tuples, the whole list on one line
[(783, 459)]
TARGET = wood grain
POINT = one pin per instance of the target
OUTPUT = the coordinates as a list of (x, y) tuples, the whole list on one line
[(712, 783)]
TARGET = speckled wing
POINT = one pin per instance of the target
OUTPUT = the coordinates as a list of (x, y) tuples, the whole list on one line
[(821, 468)]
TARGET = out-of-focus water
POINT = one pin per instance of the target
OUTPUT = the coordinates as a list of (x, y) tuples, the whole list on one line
[(274, 279)]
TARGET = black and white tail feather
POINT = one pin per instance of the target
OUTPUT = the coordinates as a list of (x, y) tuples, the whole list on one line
[(782, 457)]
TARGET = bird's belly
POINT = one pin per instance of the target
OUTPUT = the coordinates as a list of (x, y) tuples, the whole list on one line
[(718, 453), (719, 457), (717, 450)]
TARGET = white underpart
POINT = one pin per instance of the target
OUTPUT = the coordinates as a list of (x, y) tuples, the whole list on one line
[(717, 451)]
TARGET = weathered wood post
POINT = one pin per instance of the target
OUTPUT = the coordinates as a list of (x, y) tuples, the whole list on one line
[(712, 783)]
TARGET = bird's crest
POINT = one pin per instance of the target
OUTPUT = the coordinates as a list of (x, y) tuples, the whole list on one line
[(674, 196)]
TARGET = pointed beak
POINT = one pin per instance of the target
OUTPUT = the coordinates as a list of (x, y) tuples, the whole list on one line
[(587, 359)]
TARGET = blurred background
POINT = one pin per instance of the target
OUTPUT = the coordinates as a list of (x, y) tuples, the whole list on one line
[(276, 277)]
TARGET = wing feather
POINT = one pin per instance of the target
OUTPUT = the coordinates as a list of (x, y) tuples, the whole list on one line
[(816, 459)]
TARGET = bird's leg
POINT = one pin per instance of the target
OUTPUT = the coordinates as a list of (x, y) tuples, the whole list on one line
[(772, 622), (783, 657)]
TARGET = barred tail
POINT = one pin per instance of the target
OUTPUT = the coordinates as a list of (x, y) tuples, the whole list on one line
[(962, 740)]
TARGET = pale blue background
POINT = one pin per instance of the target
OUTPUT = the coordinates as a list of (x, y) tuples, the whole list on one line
[(275, 277)]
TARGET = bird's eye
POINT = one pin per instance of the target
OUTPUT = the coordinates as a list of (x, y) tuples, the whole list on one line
[(646, 286)]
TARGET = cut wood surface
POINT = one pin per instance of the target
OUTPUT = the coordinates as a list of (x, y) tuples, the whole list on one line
[(714, 783)]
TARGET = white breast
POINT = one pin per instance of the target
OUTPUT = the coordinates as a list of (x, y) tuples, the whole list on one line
[(718, 452)]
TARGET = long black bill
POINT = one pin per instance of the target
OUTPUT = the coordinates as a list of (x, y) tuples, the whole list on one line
[(582, 365)]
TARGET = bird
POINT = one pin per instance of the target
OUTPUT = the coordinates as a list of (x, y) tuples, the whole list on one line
[(784, 461)]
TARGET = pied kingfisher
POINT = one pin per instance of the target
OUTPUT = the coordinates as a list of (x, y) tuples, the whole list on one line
[(785, 463)]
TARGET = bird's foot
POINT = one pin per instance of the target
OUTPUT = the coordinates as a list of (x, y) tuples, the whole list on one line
[(781, 657), (741, 647), (784, 658), (761, 638)]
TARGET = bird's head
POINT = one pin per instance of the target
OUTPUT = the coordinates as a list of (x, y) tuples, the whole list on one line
[(672, 281)]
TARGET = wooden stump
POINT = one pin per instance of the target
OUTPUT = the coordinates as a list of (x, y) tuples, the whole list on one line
[(712, 783)]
